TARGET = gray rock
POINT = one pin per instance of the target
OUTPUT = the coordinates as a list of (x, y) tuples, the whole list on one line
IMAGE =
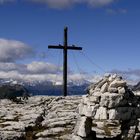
[(74, 137), (137, 136), (101, 114), (104, 88), (111, 100), (118, 83), (107, 129), (87, 110), (113, 114), (100, 84), (121, 90), (83, 126), (117, 112), (47, 116), (112, 90), (95, 98)]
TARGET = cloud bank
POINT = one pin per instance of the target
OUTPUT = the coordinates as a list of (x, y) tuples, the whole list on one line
[(62, 4), (42, 68), (6, 1), (116, 11), (132, 75), (12, 50), (36, 71)]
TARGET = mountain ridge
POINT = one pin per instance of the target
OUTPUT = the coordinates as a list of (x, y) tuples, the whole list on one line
[(49, 88)]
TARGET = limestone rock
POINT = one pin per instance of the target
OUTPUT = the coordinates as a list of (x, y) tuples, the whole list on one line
[(113, 109), (100, 84), (112, 90), (111, 100), (107, 129), (110, 110), (87, 110), (95, 98), (121, 90), (112, 114), (104, 88), (83, 126), (101, 114), (118, 83), (74, 137), (42, 117)]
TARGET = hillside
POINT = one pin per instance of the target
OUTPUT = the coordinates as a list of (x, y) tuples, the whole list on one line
[(8, 91)]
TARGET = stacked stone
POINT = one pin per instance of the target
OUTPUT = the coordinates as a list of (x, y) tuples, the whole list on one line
[(110, 109)]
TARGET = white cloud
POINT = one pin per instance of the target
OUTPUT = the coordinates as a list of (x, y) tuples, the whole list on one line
[(12, 50), (26, 77), (116, 11), (6, 67), (60, 4), (97, 3), (38, 71), (63, 4), (35, 71), (36, 67), (135, 72), (132, 75), (42, 71), (5, 1), (42, 67)]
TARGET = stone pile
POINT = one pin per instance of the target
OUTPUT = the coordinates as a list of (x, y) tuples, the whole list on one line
[(109, 111)]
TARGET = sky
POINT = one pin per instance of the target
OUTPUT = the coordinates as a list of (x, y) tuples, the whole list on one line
[(108, 31)]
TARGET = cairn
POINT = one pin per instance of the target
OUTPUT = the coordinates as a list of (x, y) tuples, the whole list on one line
[(110, 110)]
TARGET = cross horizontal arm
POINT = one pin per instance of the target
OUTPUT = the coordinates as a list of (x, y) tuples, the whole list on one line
[(74, 48), (62, 47), (55, 47)]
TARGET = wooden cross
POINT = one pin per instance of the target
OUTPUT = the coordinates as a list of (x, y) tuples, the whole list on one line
[(65, 48)]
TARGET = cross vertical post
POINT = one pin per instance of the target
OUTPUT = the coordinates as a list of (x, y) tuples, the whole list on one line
[(65, 61), (65, 48)]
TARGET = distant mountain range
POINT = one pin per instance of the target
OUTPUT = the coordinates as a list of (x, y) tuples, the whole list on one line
[(55, 89), (49, 88)]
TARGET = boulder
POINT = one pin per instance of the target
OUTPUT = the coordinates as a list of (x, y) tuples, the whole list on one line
[(104, 88), (118, 83), (83, 126), (101, 114)]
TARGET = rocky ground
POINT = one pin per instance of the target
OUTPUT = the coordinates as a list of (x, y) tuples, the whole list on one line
[(109, 111), (40, 117)]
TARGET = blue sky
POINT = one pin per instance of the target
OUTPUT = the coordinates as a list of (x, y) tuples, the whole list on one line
[(108, 31)]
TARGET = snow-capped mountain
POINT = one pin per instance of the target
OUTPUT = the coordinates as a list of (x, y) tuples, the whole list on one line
[(49, 88)]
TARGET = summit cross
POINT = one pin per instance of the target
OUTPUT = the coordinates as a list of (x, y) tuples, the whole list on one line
[(65, 48)]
